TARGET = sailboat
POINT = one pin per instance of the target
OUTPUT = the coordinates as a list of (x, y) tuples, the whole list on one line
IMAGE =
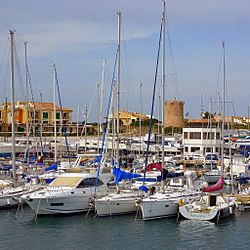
[(122, 201), (162, 203), (212, 206), (209, 207), (9, 196)]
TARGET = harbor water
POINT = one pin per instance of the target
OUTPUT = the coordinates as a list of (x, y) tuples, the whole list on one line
[(121, 232)]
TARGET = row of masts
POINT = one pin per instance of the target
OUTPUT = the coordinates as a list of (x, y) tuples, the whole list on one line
[(12, 87), (101, 95)]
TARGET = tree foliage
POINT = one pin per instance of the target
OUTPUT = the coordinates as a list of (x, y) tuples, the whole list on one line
[(143, 123)]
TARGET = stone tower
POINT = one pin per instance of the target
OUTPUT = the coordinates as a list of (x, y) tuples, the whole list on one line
[(174, 114)]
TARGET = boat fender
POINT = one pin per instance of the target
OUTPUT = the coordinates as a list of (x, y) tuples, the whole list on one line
[(231, 210), (137, 202), (152, 190), (180, 202), (218, 217)]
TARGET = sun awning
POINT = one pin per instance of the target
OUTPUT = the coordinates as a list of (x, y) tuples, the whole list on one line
[(65, 181)]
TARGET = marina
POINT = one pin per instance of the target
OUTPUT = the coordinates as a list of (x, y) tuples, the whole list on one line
[(132, 168)]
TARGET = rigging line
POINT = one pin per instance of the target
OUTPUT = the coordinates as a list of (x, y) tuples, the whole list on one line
[(226, 88), (107, 119), (30, 85), (5, 68), (100, 93), (127, 70), (61, 111), (218, 80), (233, 108), (176, 82), (19, 74), (152, 105), (32, 95), (88, 112)]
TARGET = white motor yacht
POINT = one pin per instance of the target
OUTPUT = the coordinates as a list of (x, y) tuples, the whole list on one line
[(68, 193)]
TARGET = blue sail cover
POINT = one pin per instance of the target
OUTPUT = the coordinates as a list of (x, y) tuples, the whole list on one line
[(97, 159), (244, 179), (52, 167), (123, 175)]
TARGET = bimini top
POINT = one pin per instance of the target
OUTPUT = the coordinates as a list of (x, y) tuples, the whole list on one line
[(69, 180)]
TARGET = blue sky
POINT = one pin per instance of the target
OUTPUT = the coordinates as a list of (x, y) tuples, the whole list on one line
[(77, 34)]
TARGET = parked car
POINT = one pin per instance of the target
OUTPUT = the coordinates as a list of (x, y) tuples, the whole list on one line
[(211, 157)]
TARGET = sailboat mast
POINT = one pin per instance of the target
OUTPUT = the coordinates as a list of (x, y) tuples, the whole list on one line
[(12, 87), (85, 127), (41, 124), (26, 101), (77, 127), (163, 80), (99, 119), (140, 121), (100, 102), (248, 119), (223, 107), (118, 86), (54, 102), (211, 130)]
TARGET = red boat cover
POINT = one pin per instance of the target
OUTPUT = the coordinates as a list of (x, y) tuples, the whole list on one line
[(217, 186), (154, 166)]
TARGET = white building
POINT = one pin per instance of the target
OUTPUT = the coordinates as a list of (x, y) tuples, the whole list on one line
[(201, 136)]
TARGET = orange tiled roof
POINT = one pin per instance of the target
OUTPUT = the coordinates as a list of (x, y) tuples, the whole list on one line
[(199, 120), (41, 105)]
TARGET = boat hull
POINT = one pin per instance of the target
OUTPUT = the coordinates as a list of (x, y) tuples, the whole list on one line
[(59, 205), (155, 209), (8, 201), (211, 178), (11, 197), (109, 207), (213, 215)]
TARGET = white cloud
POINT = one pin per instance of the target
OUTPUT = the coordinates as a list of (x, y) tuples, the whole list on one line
[(50, 39)]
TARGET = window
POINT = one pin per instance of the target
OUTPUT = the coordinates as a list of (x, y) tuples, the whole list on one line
[(32, 114), (57, 115), (195, 135), (193, 149), (20, 129), (186, 149), (46, 115), (208, 136), (65, 115), (209, 150), (0, 115), (89, 182), (185, 135), (217, 136), (58, 204)]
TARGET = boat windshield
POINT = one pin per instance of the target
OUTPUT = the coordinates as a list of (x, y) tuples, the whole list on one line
[(65, 181)]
